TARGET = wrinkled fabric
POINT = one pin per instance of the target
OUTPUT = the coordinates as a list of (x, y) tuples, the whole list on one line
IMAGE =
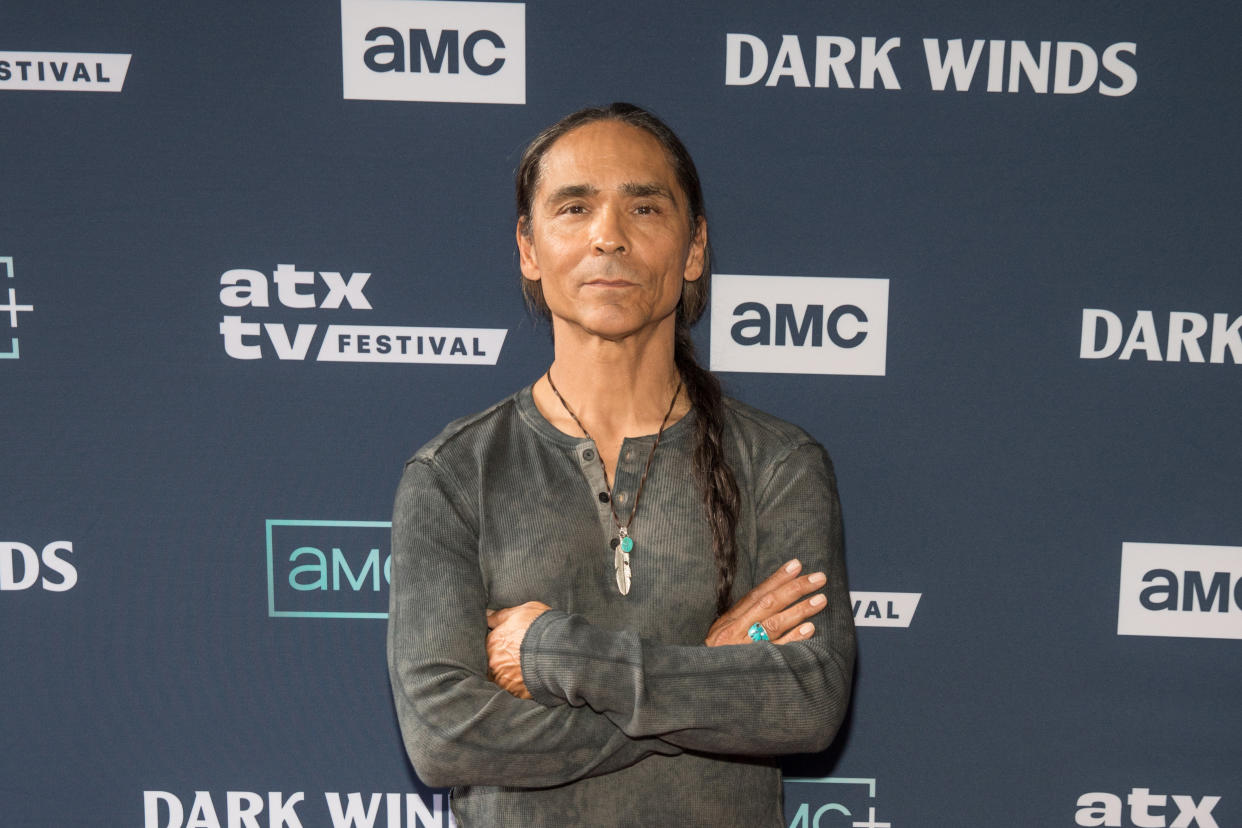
[(634, 721)]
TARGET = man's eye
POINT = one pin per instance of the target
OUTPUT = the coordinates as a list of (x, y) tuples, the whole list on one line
[(574, 209), (646, 209)]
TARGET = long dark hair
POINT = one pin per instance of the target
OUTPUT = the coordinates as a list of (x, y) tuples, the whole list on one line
[(711, 469)]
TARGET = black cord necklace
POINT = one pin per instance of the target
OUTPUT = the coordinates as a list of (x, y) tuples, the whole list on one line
[(623, 543)]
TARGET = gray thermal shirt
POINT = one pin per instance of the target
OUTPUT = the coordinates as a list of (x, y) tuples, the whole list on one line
[(634, 722)]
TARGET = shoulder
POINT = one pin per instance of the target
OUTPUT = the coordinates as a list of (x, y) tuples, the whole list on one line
[(449, 467), (763, 444), (763, 431), (467, 437)]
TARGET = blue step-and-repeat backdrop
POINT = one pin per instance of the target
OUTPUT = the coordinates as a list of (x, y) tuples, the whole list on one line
[(253, 255)]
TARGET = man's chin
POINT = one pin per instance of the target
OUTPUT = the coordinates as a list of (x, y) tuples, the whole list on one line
[(620, 326)]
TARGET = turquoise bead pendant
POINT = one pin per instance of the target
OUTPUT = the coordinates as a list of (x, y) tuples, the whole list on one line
[(627, 543)]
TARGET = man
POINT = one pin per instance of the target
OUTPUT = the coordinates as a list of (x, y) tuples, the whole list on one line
[(603, 523)]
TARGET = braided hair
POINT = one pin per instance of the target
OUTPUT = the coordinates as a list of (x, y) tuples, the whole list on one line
[(711, 470)]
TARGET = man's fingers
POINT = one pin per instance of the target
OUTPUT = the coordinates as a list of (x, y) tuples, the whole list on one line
[(782, 576), (778, 625), (780, 592), (786, 594), (497, 617), (781, 597), (800, 633)]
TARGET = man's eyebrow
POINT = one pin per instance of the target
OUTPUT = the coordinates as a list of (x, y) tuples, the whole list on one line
[(571, 191), (646, 190), (632, 189)]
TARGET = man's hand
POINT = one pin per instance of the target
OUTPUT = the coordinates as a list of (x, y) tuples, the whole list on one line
[(504, 645), (772, 604)]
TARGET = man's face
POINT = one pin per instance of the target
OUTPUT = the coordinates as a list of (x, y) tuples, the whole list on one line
[(609, 235)]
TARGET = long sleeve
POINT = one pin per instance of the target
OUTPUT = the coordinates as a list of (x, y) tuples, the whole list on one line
[(458, 727), (752, 699)]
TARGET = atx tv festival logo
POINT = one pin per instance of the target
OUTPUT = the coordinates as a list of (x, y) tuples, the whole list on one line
[(330, 291), (1180, 590), (328, 568), (11, 349), (1007, 66), (1184, 336), (63, 71), (799, 325), (411, 50), (832, 802), (884, 609), (23, 566), (1144, 809)]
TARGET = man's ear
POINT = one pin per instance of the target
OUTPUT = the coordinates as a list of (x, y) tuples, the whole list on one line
[(697, 252), (526, 251)]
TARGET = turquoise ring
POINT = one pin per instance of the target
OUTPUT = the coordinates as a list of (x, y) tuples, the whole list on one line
[(758, 633)]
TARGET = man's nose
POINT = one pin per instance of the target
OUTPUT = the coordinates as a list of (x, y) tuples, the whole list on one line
[(608, 231)]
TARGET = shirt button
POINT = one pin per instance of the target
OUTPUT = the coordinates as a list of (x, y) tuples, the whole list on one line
[(603, 497), (589, 454)]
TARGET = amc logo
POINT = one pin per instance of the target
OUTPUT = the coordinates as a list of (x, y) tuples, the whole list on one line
[(797, 325), (410, 50), (328, 568), (1180, 590), (832, 802)]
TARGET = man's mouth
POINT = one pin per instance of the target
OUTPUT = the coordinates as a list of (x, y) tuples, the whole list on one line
[(610, 283)]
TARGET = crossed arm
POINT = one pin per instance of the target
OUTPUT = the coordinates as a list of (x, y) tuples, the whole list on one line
[(604, 699), (773, 605)]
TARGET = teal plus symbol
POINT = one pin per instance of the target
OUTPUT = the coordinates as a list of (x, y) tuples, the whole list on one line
[(13, 308)]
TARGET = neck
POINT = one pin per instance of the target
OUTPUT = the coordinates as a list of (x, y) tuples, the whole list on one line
[(617, 389)]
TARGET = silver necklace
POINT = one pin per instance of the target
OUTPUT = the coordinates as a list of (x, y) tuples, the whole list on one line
[(622, 544)]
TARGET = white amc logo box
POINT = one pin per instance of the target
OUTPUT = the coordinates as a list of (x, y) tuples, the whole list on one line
[(1180, 590), (799, 325), (411, 50)]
